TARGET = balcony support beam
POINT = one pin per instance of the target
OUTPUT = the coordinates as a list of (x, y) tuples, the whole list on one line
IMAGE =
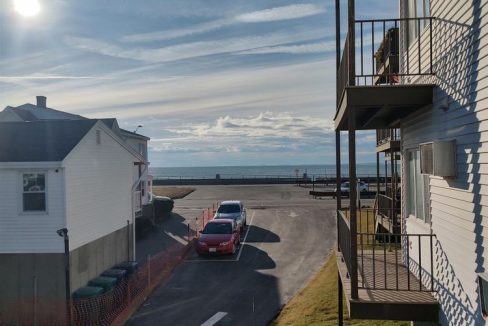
[(352, 205)]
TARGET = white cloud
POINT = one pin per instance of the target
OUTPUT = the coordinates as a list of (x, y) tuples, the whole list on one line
[(281, 13), (293, 49), (193, 49), (265, 132), (267, 15)]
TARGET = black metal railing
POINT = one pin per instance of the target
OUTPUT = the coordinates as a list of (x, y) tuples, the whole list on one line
[(372, 56), (386, 260), (378, 56), (386, 209), (385, 135), (344, 238)]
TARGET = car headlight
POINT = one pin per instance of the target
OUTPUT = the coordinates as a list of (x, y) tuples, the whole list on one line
[(202, 243), (224, 243)]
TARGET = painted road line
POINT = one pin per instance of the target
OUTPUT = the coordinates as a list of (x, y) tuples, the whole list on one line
[(240, 247), (245, 237), (214, 319)]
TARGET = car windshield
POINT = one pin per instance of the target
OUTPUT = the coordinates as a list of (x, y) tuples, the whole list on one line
[(230, 208), (217, 228)]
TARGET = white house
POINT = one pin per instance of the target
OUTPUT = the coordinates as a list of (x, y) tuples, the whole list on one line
[(40, 112), (55, 174)]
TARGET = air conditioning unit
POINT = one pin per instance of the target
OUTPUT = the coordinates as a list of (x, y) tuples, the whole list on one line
[(438, 158)]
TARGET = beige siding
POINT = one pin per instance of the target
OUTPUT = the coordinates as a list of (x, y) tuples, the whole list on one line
[(459, 206), (30, 232), (98, 187)]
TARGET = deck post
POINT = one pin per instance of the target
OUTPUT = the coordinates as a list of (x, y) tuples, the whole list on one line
[(338, 132), (351, 122), (340, 305)]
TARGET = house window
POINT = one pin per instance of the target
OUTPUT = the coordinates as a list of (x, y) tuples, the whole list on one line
[(418, 201), (417, 9), (99, 137), (34, 192)]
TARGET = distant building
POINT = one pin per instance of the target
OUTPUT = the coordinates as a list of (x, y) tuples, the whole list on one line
[(55, 174)]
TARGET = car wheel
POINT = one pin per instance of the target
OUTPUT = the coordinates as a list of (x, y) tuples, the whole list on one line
[(234, 248)]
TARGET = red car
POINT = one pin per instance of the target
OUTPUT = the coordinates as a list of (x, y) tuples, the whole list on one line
[(219, 237)]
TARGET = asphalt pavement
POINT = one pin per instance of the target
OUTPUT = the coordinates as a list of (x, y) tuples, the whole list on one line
[(288, 238)]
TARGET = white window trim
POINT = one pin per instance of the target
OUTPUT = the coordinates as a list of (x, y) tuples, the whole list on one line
[(418, 220), (21, 192)]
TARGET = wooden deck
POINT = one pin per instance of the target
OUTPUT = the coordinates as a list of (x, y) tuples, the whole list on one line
[(387, 290)]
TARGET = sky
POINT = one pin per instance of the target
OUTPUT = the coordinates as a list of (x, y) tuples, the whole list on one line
[(212, 82)]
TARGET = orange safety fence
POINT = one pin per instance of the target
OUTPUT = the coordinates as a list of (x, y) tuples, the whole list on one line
[(113, 307)]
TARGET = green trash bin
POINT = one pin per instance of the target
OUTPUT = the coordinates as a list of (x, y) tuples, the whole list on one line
[(86, 301), (88, 292), (105, 282)]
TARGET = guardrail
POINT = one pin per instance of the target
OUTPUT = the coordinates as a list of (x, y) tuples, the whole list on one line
[(385, 261), (377, 45)]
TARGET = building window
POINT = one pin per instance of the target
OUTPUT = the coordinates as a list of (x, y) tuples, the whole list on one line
[(417, 9), (34, 192), (418, 201)]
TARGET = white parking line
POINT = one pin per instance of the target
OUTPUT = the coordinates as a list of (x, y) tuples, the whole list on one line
[(214, 319), (240, 249)]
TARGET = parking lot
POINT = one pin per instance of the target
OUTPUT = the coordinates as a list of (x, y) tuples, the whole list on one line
[(287, 240)]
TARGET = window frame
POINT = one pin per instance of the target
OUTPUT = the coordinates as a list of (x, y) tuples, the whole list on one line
[(22, 192), (412, 31), (424, 179)]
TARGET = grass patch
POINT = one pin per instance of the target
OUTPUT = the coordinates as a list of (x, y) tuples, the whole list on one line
[(316, 304), (172, 192)]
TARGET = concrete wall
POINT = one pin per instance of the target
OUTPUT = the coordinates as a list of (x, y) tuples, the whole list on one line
[(19, 274), (90, 260)]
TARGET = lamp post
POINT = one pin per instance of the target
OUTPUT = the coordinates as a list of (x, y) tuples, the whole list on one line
[(64, 234)]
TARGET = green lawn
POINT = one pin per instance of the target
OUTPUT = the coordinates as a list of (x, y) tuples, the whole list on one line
[(316, 304)]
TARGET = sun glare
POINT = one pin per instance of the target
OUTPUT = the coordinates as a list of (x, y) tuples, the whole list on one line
[(27, 8)]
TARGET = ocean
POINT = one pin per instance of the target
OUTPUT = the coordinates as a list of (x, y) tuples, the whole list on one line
[(210, 172)]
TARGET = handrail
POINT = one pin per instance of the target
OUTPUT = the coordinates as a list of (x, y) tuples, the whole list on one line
[(385, 260), (374, 67)]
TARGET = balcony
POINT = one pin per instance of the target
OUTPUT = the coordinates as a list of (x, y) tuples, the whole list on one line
[(381, 275), (373, 79), (388, 140)]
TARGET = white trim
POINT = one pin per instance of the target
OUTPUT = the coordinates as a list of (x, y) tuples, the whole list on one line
[(30, 165), (21, 192)]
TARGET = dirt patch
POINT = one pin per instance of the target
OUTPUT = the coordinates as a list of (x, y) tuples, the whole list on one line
[(172, 192)]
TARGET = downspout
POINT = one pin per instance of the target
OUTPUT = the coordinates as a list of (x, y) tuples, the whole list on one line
[(134, 186)]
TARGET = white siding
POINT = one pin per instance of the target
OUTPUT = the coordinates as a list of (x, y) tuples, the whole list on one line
[(459, 206), (98, 182), (30, 232)]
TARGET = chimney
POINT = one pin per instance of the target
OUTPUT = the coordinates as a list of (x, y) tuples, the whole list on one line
[(41, 101)]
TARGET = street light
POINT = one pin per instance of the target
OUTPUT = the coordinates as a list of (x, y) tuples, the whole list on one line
[(64, 234), (138, 126)]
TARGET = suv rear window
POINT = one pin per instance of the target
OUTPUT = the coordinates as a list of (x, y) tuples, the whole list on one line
[(230, 208)]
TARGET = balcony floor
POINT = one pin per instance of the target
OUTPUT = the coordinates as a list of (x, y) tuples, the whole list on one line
[(381, 106), (386, 302)]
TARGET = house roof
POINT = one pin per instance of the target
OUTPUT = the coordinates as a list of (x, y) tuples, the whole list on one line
[(31, 112), (41, 141)]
